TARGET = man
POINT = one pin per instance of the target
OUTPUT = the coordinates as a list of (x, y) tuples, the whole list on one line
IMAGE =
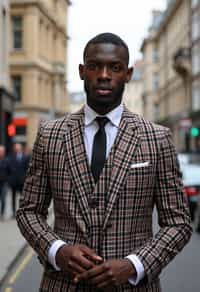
[(102, 237), (18, 164), (3, 179)]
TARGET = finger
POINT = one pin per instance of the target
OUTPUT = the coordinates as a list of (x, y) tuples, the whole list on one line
[(75, 268), (91, 254), (92, 273), (97, 277), (85, 262), (103, 280)]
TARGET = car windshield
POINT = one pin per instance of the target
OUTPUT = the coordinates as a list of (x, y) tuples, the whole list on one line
[(187, 158), (191, 174)]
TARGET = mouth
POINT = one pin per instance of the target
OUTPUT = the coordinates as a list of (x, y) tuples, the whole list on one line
[(103, 91)]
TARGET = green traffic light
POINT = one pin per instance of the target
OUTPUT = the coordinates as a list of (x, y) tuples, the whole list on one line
[(194, 132)]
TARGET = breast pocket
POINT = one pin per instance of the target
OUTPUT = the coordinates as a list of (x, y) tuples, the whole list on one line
[(141, 176)]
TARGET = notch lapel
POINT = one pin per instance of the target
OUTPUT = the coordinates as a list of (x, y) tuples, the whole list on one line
[(125, 147), (78, 163)]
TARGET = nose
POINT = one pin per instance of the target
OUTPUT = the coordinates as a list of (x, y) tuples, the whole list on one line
[(104, 73)]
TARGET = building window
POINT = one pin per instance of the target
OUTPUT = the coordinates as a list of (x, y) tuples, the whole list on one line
[(17, 32), (55, 2), (17, 87), (196, 25), (156, 110), (3, 34), (196, 95), (155, 80), (155, 55), (196, 59)]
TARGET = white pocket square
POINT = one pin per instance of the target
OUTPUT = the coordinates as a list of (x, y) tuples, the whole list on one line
[(141, 164)]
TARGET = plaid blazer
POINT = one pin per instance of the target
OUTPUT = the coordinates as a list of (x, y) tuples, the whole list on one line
[(114, 217)]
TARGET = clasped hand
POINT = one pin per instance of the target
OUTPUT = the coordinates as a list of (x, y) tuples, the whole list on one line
[(83, 264)]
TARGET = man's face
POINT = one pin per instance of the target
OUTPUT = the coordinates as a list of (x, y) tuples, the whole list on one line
[(17, 148), (105, 72)]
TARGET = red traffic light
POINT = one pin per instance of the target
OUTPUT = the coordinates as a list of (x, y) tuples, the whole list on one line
[(11, 130)]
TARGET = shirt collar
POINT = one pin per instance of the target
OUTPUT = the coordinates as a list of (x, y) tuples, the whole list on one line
[(114, 116)]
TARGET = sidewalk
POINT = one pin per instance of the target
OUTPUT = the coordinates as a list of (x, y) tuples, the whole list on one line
[(12, 243)]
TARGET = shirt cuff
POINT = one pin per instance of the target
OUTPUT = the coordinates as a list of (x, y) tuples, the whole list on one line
[(139, 269), (52, 253)]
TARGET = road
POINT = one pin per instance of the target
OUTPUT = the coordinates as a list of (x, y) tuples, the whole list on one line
[(182, 275), (25, 275)]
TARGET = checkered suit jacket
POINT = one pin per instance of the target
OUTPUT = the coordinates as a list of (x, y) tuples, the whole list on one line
[(114, 217)]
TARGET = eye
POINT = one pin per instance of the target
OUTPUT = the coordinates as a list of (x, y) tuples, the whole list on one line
[(91, 66), (116, 67)]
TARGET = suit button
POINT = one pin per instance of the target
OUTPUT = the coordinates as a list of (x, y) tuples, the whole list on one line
[(93, 203)]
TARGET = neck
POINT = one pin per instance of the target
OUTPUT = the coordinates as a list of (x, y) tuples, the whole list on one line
[(102, 110)]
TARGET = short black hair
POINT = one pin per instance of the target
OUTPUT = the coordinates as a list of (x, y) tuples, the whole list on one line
[(107, 38)]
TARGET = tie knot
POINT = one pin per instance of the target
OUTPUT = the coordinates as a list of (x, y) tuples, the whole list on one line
[(102, 121)]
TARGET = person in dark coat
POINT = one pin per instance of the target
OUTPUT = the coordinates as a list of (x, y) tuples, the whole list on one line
[(18, 164), (3, 178)]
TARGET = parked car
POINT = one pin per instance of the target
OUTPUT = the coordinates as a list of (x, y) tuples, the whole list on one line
[(189, 158), (191, 182)]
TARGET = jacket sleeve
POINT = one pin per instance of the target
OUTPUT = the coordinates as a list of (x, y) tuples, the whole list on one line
[(173, 212), (34, 203)]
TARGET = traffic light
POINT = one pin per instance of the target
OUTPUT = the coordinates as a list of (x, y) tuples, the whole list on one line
[(11, 130), (195, 132)]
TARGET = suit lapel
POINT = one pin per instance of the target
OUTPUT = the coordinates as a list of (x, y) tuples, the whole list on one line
[(78, 163), (124, 148)]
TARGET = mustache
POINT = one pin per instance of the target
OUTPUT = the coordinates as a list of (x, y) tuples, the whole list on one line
[(103, 87)]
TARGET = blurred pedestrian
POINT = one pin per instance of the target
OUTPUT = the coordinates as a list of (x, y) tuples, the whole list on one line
[(105, 169), (18, 164), (28, 153), (3, 179)]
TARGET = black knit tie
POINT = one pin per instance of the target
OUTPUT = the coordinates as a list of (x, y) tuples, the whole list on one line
[(99, 148)]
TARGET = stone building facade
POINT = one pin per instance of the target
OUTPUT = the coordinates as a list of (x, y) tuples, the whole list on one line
[(167, 77), (38, 63)]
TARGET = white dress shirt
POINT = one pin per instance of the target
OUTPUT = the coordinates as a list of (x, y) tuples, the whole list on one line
[(90, 129)]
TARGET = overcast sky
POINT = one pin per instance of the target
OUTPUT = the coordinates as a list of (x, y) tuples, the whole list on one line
[(128, 18)]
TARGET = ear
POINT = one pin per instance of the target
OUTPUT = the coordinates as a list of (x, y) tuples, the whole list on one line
[(81, 71), (129, 74)]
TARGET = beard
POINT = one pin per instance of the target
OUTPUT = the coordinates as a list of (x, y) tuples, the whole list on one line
[(104, 104)]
